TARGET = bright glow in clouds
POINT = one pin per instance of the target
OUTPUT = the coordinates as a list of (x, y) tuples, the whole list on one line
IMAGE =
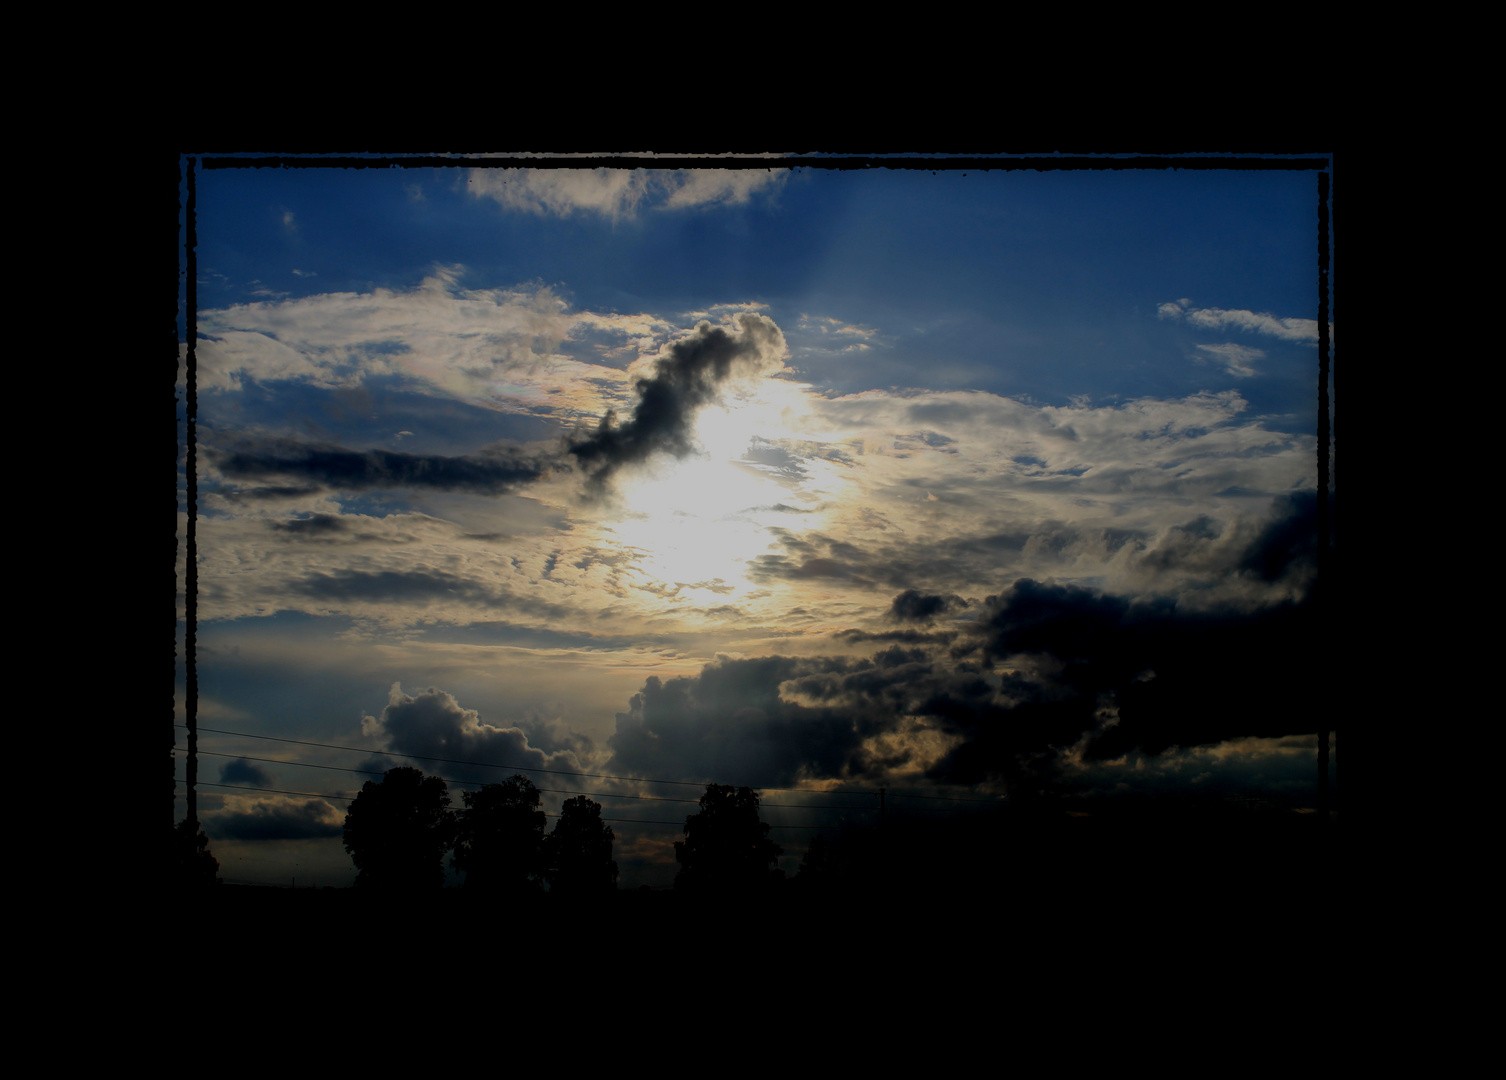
[(701, 518)]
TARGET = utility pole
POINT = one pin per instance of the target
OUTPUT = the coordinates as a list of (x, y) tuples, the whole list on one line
[(191, 560), (1323, 591)]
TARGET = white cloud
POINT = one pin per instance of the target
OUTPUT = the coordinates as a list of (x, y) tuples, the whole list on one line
[(826, 334), (609, 192), (495, 345), (1223, 318), (617, 193), (704, 186)]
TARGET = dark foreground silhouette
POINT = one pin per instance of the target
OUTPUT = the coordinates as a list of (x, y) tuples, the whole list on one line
[(1012, 886)]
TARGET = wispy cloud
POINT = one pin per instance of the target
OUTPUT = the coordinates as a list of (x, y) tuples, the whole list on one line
[(618, 193), (1305, 330), (825, 334), (1236, 359), (438, 336)]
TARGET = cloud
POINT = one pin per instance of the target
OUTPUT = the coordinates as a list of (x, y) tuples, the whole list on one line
[(617, 193), (245, 772), (277, 820), (729, 723), (688, 376), (1305, 330), (436, 335), (824, 334), (491, 473), (773, 459), (1287, 545), (1236, 359), (980, 489), (914, 606), (401, 586), (702, 187), (433, 724), (1044, 682)]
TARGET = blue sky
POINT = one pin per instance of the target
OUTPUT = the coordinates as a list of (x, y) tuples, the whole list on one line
[(1019, 399)]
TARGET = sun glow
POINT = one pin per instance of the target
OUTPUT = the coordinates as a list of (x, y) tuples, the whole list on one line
[(698, 520)]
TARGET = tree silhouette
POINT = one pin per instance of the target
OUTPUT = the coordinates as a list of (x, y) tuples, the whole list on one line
[(578, 853), (499, 837), (398, 831), (193, 864), (726, 847), (818, 868)]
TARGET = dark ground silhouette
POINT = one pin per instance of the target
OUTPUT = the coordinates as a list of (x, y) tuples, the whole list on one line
[(1012, 886)]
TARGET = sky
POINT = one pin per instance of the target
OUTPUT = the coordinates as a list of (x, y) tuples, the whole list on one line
[(978, 485)]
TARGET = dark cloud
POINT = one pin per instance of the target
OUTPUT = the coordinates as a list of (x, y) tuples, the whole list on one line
[(279, 491), (1046, 679), (908, 637), (730, 723), (245, 772), (811, 556), (687, 378), (418, 587), (914, 606), (1289, 541), (491, 472), (433, 724), (311, 819), (1119, 675), (316, 526), (1067, 622), (1279, 550), (1214, 677), (399, 585)]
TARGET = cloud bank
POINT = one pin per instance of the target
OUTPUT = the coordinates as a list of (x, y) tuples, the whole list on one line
[(1042, 683)]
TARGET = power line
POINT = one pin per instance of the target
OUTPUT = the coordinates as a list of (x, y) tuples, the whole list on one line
[(458, 761), (279, 761), (446, 779), (565, 772), (278, 791), (477, 783), (546, 813)]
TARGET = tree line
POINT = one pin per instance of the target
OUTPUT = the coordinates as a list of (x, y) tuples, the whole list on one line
[(398, 831)]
